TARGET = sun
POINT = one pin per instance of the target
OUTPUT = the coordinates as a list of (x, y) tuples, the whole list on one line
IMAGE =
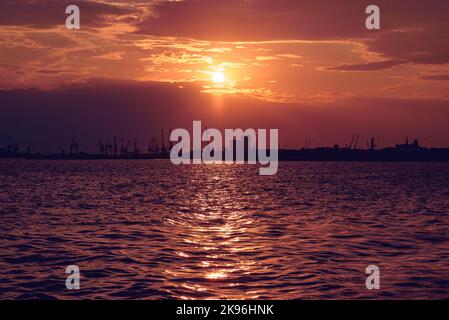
[(218, 77)]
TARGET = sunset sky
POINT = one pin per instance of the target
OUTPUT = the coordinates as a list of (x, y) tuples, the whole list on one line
[(309, 68)]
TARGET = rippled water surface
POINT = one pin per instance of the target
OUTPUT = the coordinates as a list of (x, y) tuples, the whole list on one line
[(150, 230)]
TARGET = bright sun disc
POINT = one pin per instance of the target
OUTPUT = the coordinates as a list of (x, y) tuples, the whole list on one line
[(218, 77)]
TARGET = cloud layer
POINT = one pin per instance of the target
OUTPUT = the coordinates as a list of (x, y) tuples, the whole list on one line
[(305, 66), (102, 109)]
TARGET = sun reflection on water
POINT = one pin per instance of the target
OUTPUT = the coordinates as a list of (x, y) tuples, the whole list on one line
[(215, 253)]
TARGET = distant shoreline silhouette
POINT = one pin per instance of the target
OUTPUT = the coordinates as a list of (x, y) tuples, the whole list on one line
[(401, 152)]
